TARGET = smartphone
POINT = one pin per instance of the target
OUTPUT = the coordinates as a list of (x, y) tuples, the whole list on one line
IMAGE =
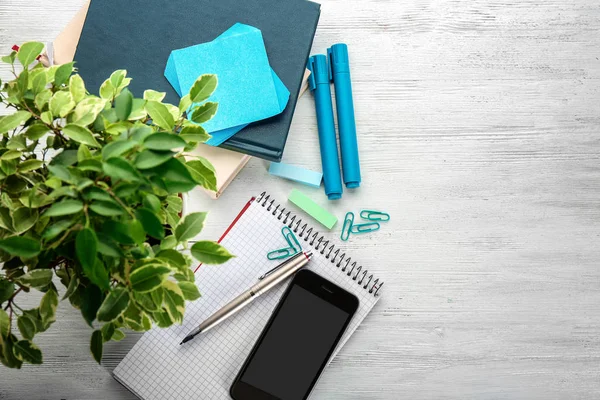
[(296, 344)]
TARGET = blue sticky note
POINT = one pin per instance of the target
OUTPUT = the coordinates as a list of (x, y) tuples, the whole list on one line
[(295, 173), (248, 90)]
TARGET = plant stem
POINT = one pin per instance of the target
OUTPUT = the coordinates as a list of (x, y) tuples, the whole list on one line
[(118, 200)]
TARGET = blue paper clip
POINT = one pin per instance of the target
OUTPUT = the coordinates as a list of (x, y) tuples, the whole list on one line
[(347, 227), (281, 253), (372, 215), (288, 234), (365, 228)]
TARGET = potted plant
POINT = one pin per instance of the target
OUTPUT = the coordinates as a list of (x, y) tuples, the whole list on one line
[(89, 197)]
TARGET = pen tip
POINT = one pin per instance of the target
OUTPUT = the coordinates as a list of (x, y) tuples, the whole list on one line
[(187, 339)]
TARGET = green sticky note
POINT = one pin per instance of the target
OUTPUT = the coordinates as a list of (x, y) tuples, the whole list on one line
[(313, 209)]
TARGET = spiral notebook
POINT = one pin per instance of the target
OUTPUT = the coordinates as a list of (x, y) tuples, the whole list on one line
[(159, 368)]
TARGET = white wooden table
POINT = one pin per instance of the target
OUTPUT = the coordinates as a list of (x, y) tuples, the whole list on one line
[(480, 133)]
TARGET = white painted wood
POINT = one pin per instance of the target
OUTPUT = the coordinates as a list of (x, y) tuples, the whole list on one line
[(479, 133)]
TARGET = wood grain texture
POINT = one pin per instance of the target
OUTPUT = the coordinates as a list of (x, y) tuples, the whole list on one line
[(480, 133)]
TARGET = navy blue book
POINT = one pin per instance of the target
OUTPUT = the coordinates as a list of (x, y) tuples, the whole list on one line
[(139, 35)]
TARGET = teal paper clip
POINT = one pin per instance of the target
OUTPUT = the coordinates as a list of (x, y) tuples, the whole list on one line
[(365, 228), (371, 215), (291, 239), (347, 227), (281, 253)]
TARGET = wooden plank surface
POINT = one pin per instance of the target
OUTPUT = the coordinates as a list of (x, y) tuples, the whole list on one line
[(480, 133)]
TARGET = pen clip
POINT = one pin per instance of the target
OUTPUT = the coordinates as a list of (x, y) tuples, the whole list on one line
[(312, 84), (260, 278), (330, 63)]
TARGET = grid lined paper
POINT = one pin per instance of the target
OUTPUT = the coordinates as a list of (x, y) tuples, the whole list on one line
[(159, 368)]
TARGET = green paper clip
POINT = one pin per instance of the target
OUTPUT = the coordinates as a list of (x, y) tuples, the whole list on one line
[(372, 215), (288, 234), (366, 228), (347, 227), (281, 253)]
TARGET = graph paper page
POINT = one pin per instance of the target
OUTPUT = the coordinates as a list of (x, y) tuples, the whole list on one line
[(159, 368)]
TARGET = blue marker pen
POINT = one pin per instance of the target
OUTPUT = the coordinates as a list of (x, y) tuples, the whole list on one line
[(319, 84), (339, 73)]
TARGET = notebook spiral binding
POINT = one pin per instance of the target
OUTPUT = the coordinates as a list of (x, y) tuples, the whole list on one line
[(318, 242)]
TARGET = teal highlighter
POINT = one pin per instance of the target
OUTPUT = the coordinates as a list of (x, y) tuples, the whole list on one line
[(339, 73), (319, 84)]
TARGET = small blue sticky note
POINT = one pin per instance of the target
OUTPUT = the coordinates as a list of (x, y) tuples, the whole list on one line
[(248, 91), (295, 173)]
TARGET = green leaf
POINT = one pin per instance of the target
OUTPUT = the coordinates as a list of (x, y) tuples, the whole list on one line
[(153, 95), (194, 133), (118, 231), (48, 307), (42, 98), (185, 103), (190, 226), (149, 159), (73, 285), (117, 78), (160, 115), (107, 247), (83, 153), (9, 357), (108, 331), (21, 246), (162, 318), (80, 134), (24, 218), (26, 327), (36, 131), (118, 335), (205, 112), (90, 303), (107, 90), (99, 275), (6, 290), (63, 73), (139, 133), (77, 88), (38, 80), (96, 346), (150, 222), (117, 148), (164, 141), (123, 105), (61, 104), (151, 202), (87, 111), (168, 243), (11, 155), (37, 278), (65, 207), (47, 118), (176, 176), (145, 301), (66, 158), (27, 351), (203, 173), (114, 305), (136, 231), (174, 301), (4, 324), (61, 172), (107, 208), (174, 258), (203, 88), (118, 168), (86, 248), (190, 290), (56, 229), (6, 221), (28, 52), (29, 165), (12, 121), (210, 253), (148, 277)]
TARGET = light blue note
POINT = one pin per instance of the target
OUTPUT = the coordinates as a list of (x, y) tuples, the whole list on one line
[(248, 91), (295, 173)]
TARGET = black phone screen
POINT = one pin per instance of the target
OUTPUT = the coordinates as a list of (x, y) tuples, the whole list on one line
[(296, 345)]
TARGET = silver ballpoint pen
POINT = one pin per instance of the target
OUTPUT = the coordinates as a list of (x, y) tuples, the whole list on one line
[(266, 282)]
